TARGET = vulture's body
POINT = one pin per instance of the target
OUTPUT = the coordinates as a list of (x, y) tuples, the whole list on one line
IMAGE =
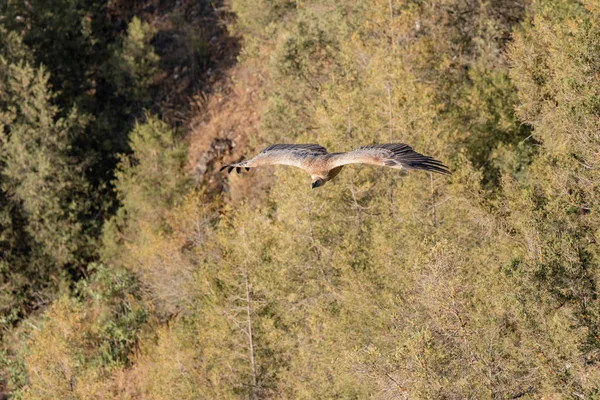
[(323, 166)]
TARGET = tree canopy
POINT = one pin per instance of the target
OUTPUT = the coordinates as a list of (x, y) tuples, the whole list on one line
[(123, 275)]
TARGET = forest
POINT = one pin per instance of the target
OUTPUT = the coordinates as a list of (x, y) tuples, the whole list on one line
[(131, 268)]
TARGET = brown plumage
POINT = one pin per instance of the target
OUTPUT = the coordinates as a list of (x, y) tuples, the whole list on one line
[(323, 166)]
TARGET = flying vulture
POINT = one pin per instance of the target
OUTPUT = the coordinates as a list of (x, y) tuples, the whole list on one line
[(323, 166)]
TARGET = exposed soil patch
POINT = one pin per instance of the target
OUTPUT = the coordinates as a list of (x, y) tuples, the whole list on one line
[(224, 131)]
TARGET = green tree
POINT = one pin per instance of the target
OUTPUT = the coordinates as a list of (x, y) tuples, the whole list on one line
[(149, 182), (134, 64), (46, 196), (555, 206), (99, 64)]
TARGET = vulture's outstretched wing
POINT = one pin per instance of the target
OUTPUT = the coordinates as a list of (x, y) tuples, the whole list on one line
[(296, 155), (394, 155)]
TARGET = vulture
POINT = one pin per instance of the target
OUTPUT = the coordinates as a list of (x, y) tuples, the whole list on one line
[(323, 166)]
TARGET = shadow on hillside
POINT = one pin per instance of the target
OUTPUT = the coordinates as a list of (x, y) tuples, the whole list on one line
[(194, 46)]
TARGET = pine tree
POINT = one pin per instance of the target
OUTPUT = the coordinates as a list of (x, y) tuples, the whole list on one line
[(42, 184)]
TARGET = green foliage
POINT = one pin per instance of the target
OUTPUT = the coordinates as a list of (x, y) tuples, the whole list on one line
[(56, 159), (148, 182), (151, 178), (259, 19), (76, 346), (135, 64), (14, 375), (62, 354), (115, 292), (64, 36), (479, 285), (419, 287), (13, 49), (74, 77), (38, 171), (99, 64), (44, 193), (555, 61)]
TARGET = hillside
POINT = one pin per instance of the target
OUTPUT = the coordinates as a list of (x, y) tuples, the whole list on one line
[(131, 268)]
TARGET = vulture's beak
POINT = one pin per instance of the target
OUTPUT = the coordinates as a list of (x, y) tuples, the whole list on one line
[(314, 185)]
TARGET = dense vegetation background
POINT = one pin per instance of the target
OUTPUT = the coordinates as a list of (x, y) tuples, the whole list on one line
[(130, 268)]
